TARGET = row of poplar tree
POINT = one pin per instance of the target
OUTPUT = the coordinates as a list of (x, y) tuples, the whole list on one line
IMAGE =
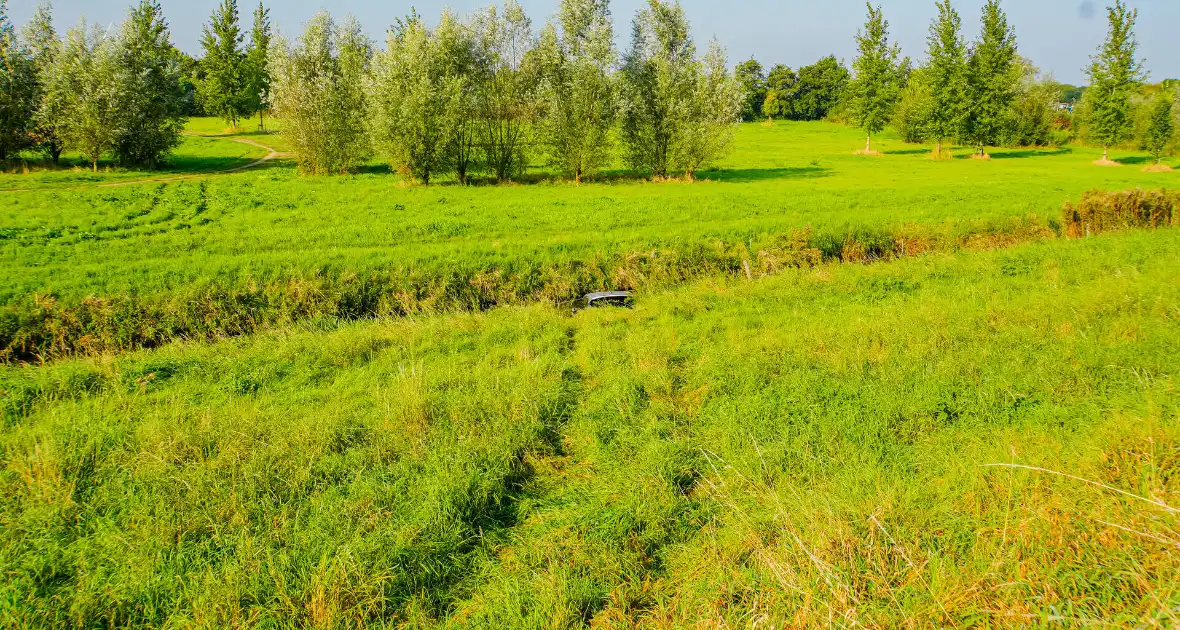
[(967, 92), (482, 93)]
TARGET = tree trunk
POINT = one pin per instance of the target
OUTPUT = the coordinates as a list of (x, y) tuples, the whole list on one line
[(55, 154), (95, 165), (578, 175), (261, 121), (868, 144), (1105, 152), (938, 149)]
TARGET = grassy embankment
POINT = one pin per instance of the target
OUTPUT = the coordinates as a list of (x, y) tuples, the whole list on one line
[(107, 269), (812, 448)]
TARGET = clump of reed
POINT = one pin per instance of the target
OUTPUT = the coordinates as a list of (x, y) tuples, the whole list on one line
[(1108, 211)]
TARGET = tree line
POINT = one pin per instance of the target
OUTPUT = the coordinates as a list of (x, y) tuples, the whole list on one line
[(486, 94), (483, 94), (98, 91), (811, 93), (983, 93)]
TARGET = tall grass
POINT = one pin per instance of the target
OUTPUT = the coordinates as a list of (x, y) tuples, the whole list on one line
[(43, 328), (811, 448), (1102, 211)]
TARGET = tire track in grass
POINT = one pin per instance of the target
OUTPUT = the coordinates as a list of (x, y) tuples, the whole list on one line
[(563, 518)]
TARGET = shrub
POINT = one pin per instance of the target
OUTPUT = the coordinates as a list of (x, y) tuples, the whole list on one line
[(1101, 211), (913, 109)]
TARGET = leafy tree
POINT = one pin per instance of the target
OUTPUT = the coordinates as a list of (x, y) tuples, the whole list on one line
[(658, 79), (151, 97), (678, 112), (578, 94), (464, 60), (17, 89), (946, 70), (1032, 115), (819, 88), (1071, 94), (1115, 74), (227, 90), (191, 76), (44, 48), (753, 79), (911, 117), (318, 93), (876, 85), (714, 108), (257, 71), (1160, 127), (85, 82), (504, 88), (780, 92), (415, 101), (992, 75)]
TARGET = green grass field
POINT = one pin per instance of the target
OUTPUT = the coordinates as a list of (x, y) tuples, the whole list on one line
[(853, 392), (338, 246), (197, 154), (805, 449)]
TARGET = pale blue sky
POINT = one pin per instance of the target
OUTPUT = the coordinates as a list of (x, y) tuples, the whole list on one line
[(1059, 35)]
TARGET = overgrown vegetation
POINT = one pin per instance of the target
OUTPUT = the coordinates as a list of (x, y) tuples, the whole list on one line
[(1106, 211), (722, 454)]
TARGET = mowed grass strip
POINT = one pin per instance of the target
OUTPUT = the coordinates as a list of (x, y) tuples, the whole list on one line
[(111, 269), (811, 448)]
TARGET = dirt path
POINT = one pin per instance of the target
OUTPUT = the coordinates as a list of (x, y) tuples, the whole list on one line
[(271, 155)]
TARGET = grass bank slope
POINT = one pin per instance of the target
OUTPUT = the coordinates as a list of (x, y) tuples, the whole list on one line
[(810, 448)]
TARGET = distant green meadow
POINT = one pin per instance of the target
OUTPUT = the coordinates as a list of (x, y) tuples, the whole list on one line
[(254, 235)]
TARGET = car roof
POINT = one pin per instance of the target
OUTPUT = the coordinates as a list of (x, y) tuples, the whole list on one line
[(607, 294)]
